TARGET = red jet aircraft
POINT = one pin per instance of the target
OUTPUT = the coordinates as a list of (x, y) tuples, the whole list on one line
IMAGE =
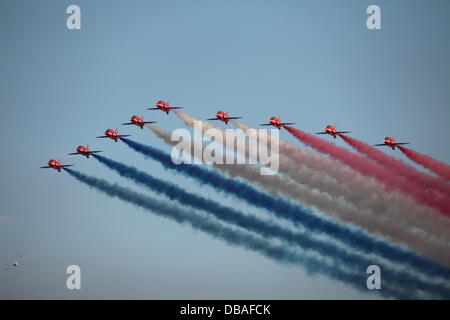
[(276, 123), (137, 121), (222, 116), (332, 131), (113, 135), (390, 142), (84, 151), (164, 106), (56, 165)]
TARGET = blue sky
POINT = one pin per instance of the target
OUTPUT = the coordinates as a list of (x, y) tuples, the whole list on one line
[(313, 62)]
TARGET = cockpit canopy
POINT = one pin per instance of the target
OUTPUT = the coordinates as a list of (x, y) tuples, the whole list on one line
[(51, 160), (329, 126), (80, 147), (387, 138), (219, 111), (160, 101), (273, 118), (134, 117)]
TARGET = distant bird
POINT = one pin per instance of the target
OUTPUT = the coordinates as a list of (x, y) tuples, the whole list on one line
[(15, 264)]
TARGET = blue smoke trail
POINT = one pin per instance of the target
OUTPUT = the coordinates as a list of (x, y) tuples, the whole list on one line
[(215, 229), (252, 223), (247, 221), (295, 213)]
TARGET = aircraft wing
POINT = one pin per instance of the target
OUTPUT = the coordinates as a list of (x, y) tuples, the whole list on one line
[(323, 132), (127, 124), (152, 108), (175, 108), (379, 145), (213, 119), (343, 132), (102, 137), (400, 143), (96, 151), (72, 154), (67, 165), (265, 124), (231, 118), (149, 122), (124, 135), (45, 167), (286, 123)]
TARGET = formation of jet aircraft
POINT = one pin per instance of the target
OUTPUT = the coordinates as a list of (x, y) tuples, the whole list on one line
[(220, 116)]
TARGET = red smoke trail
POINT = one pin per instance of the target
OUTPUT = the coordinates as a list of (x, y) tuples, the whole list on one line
[(368, 168), (399, 167), (437, 167)]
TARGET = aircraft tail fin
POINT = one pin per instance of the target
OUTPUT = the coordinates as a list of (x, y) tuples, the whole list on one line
[(117, 129), (87, 147)]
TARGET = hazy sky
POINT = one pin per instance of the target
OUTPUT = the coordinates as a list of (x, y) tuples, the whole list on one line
[(313, 62)]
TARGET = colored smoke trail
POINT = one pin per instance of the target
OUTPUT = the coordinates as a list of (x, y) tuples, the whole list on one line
[(356, 239), (341, 258), (339, 180), (247, 221), (280, 253), (401, 229), (438, 167), (390, 208), (365, 167), (398, 167)]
